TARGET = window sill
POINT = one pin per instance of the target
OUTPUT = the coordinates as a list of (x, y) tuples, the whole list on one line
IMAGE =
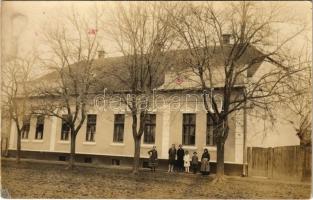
[(63, 142), (189, 147), (210, 148), (38, 141), (89, 143), (147, 145), (24, 140), (117, 144)]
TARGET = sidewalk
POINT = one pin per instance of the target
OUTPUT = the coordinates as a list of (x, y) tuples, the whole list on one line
[(103, 166)]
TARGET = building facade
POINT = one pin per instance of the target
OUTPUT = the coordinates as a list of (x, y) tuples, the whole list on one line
[(176, 117)]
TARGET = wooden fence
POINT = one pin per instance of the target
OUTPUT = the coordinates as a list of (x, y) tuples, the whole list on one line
[(4, 146), (285, 163)]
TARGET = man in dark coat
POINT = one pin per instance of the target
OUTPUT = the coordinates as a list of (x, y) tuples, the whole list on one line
[(180, 158)]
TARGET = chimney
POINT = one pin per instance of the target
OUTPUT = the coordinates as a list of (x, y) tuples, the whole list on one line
[(226, 38), (101, 54)]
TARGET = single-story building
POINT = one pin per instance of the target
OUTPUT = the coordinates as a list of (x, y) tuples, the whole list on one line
[(176, 117)]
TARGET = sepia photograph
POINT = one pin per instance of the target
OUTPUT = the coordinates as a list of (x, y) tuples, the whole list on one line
[(156, 99)]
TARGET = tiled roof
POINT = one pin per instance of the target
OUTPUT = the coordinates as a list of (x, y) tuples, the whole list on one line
[(110, 71)]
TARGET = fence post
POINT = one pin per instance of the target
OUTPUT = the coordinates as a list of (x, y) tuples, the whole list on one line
[(270, 161), (6, 146), (249, 159), (306, 155), (2, 146)]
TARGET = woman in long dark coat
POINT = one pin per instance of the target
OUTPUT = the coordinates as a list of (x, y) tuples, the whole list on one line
[(180, 158), (171, 158), (205, 163), (153, 160)]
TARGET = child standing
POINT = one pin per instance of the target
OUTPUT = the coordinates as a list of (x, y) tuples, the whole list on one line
[(186, 161), (194, 162)]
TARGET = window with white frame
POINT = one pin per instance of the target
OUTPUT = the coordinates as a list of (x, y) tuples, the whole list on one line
[(118, 135), (65, 129), (91, 127), (210, 141), (39, 127), (189, 129), (26, 127), (149, 130)]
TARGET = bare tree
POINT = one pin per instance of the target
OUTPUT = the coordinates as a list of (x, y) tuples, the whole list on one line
[(225, 46), (15, 89), (142, 38), (73, 44), (299, 97)]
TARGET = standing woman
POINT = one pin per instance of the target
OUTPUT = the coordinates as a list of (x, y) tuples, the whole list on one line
[(180, 158), (205, 162), (171, 158), (153, 161)]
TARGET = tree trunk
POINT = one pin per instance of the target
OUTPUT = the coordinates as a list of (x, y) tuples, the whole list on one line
[(220, 144), (136, 156), (220, 160), (72, 152), (18, 149)]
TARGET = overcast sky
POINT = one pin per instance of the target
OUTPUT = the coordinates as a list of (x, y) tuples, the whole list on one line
[(23, 20)]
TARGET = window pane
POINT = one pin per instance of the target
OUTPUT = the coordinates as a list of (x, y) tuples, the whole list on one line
[(210, 141), (189, 129), (65, 129), (40, 119), (91, 119), (185, 120), (119, 118), (26, 127), (149, 130), (39, 127), (192, 118), (118, 134), (91, 127)]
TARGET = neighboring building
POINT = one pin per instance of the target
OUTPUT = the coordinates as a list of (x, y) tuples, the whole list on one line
[(106, 135)]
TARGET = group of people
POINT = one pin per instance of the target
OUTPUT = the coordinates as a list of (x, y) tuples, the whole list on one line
[(180, 160)]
